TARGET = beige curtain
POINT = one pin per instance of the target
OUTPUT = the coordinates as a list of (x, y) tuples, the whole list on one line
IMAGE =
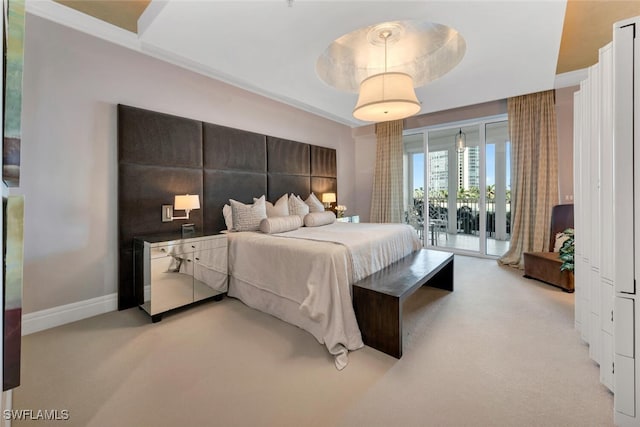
[(534, 173), (386, 200)]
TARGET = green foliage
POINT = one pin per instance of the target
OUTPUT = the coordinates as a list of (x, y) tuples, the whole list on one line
[(491, 192), (567, 251), (438, 194), (471, 193)]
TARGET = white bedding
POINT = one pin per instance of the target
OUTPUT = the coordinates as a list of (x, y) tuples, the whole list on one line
[(304, 276)]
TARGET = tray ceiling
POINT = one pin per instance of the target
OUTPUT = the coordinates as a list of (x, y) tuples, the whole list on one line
[(271, 48)]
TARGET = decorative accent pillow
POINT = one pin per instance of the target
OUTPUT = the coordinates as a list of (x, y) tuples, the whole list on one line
[(315, 205), (228, 219), (248, 217), (560, 239), (316, 219), (280, 224), (297, 206), (281, 207)]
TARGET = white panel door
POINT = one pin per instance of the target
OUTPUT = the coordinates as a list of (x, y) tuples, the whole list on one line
[(623, 157), (577, 201), (606, 164)]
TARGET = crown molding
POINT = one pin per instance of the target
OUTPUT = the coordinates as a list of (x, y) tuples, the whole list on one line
[(572, 78)]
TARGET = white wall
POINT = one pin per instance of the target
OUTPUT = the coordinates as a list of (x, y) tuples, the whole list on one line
[(72, 83)]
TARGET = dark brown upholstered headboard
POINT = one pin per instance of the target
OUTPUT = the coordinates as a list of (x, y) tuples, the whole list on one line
[(561, 219), (160, 155)]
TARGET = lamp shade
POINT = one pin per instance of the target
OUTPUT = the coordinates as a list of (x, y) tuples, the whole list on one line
[(329, 198), (186, 202), (386, 96)]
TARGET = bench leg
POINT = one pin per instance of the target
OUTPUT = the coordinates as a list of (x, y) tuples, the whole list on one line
[(443, 278), (380, 320)]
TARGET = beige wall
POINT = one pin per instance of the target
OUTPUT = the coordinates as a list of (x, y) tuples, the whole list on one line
[(470, 112), (564, 113), (72, 84), (365, 159)]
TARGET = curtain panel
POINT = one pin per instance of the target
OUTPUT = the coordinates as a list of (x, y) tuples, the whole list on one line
[(534, 173), (386, 200)]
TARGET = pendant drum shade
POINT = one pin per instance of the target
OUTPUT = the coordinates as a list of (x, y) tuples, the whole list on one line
[(386, 96)]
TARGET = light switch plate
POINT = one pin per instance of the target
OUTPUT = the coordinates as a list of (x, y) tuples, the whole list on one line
[(167, 213)]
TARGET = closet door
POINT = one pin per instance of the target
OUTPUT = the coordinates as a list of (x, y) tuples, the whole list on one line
[(595, 329), (606, 164), (606, 216), (585, 213), (626, 98), (577, 201)]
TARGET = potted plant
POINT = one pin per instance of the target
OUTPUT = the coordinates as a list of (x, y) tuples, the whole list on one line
[(567, 251)]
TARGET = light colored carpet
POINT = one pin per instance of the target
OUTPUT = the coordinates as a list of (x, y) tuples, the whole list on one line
[(499, 351)]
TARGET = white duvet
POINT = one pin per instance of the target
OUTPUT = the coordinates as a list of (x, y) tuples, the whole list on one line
[(313, 269)]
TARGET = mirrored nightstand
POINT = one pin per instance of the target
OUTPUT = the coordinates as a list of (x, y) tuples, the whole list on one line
[(172, 271)]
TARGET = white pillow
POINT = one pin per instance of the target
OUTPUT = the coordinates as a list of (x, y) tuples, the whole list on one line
[(248, 217), (228, 218), (316, 219), (280, 224), (560, 239), (281, 208), (297, 206), (315, 205)]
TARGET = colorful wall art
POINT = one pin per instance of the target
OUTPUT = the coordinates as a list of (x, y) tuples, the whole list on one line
[(13, 49), (13, 261)]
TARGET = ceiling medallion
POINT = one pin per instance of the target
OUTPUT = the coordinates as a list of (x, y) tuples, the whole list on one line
[(424, 51)]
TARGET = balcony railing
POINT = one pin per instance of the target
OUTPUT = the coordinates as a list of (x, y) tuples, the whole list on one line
[(467, 218)]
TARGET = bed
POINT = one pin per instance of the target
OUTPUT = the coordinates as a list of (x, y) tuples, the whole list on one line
[(304, 276), (161, 155)]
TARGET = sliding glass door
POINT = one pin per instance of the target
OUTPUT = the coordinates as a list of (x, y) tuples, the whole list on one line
[(458, 195), (498, 187)]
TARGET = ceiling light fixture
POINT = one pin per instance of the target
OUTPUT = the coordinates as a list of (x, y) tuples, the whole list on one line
[(461, 141), (386, 96)]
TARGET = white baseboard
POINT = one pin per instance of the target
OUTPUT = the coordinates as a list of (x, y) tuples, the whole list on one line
[(56, 316)]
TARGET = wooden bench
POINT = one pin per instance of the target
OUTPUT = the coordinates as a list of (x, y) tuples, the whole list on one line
[(378, 298)]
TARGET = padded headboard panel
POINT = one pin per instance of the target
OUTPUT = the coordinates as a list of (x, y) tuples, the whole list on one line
[(289, 165), (235, 167), (160, 155)]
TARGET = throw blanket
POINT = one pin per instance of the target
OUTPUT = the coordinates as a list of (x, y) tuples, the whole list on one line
[(314, 267), (372, 247)]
